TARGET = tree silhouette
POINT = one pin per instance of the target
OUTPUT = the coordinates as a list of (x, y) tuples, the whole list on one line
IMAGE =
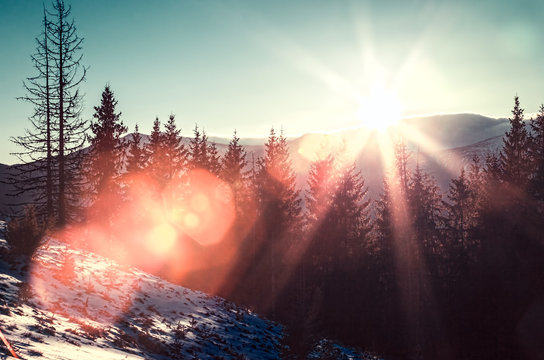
[(69, 74), (107, 151), (57, 131), (234, 171), (154, 152), (37, 176), (537, 155), (136, 156), (514, 158), (175, 155)]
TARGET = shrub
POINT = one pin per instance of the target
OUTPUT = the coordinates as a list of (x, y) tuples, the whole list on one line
[(25, 234)]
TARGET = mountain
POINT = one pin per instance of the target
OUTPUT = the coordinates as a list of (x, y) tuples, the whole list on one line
[(441, 143)]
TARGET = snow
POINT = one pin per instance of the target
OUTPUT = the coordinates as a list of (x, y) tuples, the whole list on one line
[(327, 349), (84, 306)]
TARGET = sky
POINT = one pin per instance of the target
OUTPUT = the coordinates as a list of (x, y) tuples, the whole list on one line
[(305, 66)]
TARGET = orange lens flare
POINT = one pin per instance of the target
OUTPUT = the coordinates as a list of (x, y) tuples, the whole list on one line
[(161, 239), (208, 213), (162, 230)]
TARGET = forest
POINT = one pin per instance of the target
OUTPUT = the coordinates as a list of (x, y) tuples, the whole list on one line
[(413, 273)]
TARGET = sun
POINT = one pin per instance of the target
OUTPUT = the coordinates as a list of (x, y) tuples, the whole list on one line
[(380, 110)]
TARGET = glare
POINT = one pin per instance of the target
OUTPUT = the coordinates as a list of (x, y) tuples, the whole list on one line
[(381, 110), (191, 220), (161, 239)]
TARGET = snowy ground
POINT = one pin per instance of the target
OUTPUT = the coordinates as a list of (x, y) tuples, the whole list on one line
[(77, 305), (73, 304)]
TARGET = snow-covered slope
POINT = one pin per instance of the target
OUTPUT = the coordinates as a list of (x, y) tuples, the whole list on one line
[(78, 305)]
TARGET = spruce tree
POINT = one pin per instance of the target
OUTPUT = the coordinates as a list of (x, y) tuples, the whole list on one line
[(107, 150), (154, 153), (198, 150), (320, 192), (322, 181), (105, 157), (537, 155), (350, 211), (460, 212), (514, 157), (174, 151), (234, 171), (277, 182), (135, 156), (214, 160), (280, 211), (424, 199)]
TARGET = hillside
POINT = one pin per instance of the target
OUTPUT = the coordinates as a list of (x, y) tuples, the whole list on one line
[(78, 305), (74, 304)]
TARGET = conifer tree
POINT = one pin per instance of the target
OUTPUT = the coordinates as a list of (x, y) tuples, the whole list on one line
[(425, 200), (107, 150), (320, 192), (214, 160), (317, 220), (402, 156), (198, 150), (234, 172), (350, 213), (136, 155), (537, 155), (154, 153), (277, 182), (280, 210), (514, 158), (461, 212), (174, 151)]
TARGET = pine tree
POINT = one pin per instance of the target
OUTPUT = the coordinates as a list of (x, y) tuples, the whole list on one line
[(136, 155), (278, 184), (154, 153), (514, 158), (402, 156), (537, 155), (174, 151), (460, 211), (320, 192), (322, 182), (280, 210), (198, 150), (234, 172), (350, 210), (107, 150), (214, 160), (424, 199)]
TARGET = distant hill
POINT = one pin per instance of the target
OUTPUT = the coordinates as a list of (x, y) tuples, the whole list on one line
[(447, 142)]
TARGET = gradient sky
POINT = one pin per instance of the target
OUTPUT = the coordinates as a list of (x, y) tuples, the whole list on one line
[(303, 65)]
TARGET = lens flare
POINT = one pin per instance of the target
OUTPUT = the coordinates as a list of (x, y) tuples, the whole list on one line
[(161, 239)]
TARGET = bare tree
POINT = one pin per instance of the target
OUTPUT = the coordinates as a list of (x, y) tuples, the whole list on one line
[(50, 146)]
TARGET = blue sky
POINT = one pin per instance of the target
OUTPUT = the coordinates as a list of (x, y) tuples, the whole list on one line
[(303, 65)]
